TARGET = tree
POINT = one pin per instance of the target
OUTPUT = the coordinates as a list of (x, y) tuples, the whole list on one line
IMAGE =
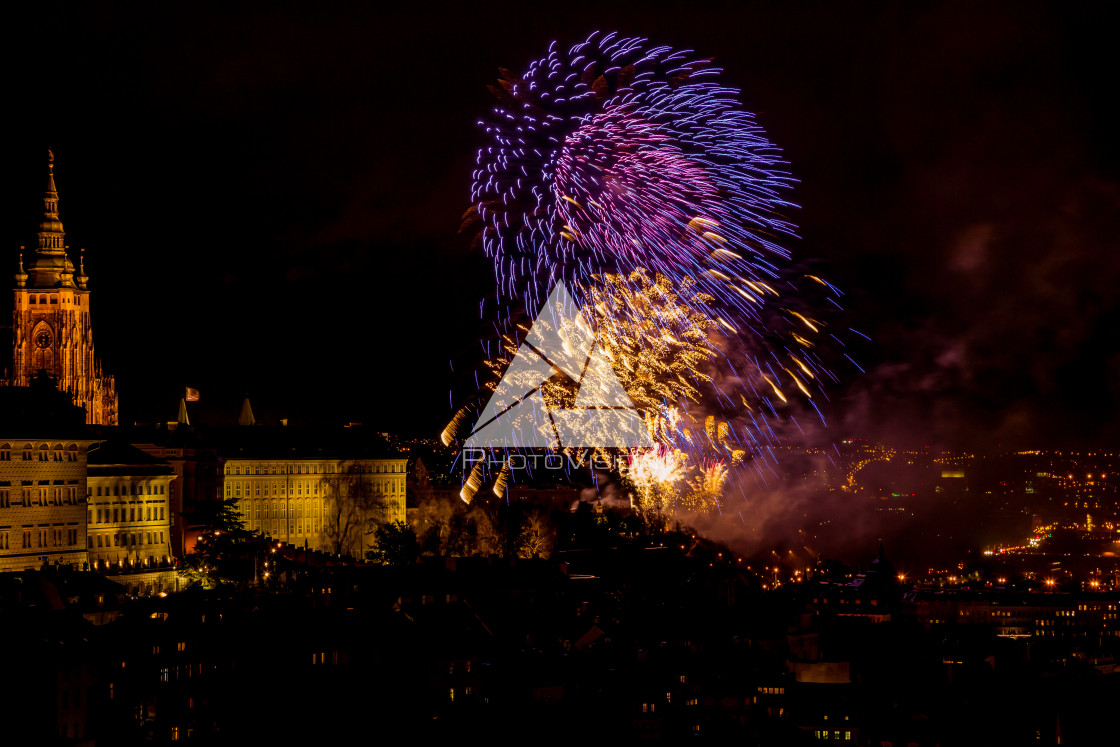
[(447, 527), (444, 526), (351, 505), (396, 544), (484, 531), (538, 536), (225, 553)]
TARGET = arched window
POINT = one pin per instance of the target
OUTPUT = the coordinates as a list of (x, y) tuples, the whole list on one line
[(31, 299), (5, 452)]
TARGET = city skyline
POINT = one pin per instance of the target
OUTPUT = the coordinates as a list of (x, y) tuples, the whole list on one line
[(743, 372), (289, 195)]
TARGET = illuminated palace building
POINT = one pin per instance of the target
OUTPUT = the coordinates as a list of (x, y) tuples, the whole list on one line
[(128, 516), (309, 502), (51, 321)]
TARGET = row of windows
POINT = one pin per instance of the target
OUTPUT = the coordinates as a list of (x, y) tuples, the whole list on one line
[(114, 515), (130, 489), (45, 453), (42, 300), (275, 528), (311, 469), (36, 496), (297, 510), (275, 509), (234, 489), (125, 539), (53, 537), (834, 735)]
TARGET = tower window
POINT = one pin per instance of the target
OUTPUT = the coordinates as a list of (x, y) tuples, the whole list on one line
[(54, 299), (32, 299)]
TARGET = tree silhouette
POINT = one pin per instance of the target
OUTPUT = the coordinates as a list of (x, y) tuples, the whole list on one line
[(226, 552)]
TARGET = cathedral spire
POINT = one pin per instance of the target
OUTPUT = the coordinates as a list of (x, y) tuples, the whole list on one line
[(50, 267), (51, 232)]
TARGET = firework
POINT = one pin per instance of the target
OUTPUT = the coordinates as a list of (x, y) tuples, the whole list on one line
[(451, 431), (705, 490), (654, 475), (630, 173), (472, 484)]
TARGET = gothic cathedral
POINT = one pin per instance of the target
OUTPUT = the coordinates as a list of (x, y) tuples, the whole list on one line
[(50, 322)]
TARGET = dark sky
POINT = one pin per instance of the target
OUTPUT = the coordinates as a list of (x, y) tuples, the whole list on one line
[(269, 195)]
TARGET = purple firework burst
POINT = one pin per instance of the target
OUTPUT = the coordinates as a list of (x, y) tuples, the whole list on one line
[(616, 156)]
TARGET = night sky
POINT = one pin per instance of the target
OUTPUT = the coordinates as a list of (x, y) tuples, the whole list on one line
[(269, 196)]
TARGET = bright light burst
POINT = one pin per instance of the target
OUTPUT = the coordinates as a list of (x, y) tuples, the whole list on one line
[(630, 173), (654, 475)]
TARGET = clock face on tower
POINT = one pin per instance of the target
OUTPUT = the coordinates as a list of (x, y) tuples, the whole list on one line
[(43, 340)]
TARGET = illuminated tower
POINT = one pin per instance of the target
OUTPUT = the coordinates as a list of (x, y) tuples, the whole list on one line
[(50, 323)]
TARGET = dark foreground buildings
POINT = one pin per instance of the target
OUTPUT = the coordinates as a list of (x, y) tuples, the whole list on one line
[(609, 645)]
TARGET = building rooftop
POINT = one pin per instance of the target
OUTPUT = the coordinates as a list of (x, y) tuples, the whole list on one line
[(109, 458), (267, 441)]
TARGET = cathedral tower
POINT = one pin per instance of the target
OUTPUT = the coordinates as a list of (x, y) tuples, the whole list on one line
[(50, 323)]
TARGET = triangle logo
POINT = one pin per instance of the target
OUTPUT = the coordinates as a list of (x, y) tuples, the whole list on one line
[(560, 341)]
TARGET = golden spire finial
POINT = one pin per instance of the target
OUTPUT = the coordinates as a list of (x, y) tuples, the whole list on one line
[(21, 276), (81, 278), (51, 232)]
